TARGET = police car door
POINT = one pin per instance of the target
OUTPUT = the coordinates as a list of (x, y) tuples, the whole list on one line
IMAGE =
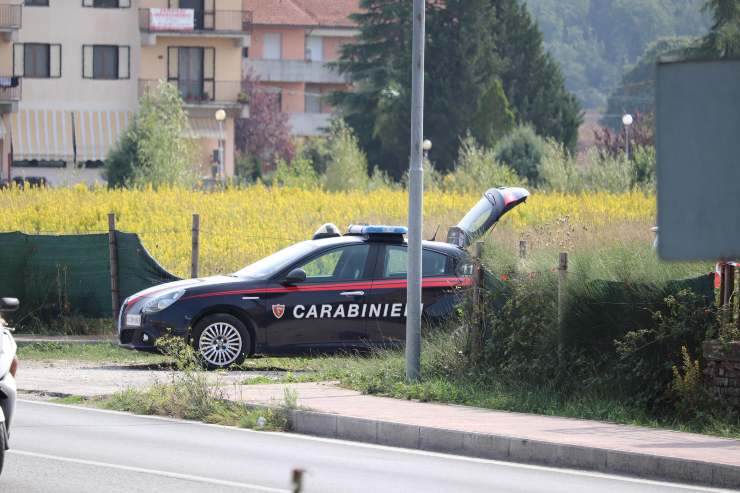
[(325, 309), (387, 303)]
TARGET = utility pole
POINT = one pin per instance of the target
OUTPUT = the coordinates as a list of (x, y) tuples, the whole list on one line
[(416, 199)]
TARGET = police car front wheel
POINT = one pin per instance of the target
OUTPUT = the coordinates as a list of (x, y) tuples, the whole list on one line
[(222, 340)]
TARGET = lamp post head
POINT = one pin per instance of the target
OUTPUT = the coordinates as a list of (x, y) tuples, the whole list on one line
[(220, 115), (627, 119), (426, 145)]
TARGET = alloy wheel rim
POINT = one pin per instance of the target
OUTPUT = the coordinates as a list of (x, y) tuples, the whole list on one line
[(220, 344)]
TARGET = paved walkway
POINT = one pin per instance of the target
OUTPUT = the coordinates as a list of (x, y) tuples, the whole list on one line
[(328, 398)]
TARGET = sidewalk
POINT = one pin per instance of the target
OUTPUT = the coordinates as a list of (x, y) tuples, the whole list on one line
[(561, 442)]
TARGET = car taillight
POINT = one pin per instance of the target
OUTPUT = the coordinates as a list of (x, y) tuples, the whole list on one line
[(14, 366)]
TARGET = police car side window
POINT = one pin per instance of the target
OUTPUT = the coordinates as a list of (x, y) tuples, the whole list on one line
[(341, 264), (432, 263)]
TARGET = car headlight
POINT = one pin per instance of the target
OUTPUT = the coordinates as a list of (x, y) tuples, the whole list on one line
[(161, 302)]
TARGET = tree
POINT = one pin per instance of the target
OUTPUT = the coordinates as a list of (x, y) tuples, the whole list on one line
[(265, 135), (636, 91), (474, 43), (522, 151), (592, 40), (154, 150), (494, 117), (723, 38)]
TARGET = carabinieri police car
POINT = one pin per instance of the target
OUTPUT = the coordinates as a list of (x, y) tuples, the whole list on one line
[(333, 291)]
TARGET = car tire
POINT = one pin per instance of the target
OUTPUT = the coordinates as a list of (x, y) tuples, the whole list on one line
[(221, 340), (3, 444)]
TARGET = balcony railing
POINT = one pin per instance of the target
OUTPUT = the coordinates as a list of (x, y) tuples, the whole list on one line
[(201, 91), (294, 71), (8, 92), (11, 16), (222, 21)]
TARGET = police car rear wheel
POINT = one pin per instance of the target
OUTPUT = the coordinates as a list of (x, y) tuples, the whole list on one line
[(222, 340)]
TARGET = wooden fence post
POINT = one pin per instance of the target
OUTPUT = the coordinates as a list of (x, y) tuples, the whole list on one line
[(475, 330), (195, 254), (727, 289), (562, 295), (522, 249), (113, 261)]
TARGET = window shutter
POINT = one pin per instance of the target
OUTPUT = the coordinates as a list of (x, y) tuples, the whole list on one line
[(124, 62), (172, 63), (124, 4), (55, 61), (18, 59), (209, 63), (87, 61)]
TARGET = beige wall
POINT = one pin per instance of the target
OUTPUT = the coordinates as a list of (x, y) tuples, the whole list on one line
[(228, 56), (205, 148), (71, 25)]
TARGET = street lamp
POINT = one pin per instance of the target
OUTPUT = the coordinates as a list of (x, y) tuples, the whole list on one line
[(220, 117), (627, 122), (426, 146)]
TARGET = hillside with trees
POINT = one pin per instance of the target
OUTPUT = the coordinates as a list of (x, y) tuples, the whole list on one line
[(596, 41)]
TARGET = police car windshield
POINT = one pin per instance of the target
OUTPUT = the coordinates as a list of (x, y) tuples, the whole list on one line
[(277, 261)]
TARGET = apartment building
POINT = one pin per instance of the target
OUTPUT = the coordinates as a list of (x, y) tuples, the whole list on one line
[(72, 72), (293, 42)]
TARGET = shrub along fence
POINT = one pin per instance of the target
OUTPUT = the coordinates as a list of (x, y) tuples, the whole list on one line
[(620, 338)]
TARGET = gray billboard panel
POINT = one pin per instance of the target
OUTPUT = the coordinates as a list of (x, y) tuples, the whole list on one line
[(698, 151)]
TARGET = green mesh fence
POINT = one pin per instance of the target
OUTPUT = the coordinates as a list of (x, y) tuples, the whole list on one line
[(70, 274)]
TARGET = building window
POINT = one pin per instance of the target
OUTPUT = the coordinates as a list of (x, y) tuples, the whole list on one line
[(36, 3), (37, 60), (273, 46), (314, 48), (36, 57), (193, 71), (313, 99), (106, 62), (107, 4)]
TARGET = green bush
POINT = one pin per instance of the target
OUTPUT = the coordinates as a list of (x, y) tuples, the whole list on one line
[(522, 150), (346, 168), (477, 167), (558, 170), (298, 173), (154, 150)]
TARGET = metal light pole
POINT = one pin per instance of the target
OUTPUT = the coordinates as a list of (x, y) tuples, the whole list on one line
[(627, 121), (416, 199), (220, 117)]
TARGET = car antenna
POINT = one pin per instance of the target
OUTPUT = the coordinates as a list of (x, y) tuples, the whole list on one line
[(434, 236)]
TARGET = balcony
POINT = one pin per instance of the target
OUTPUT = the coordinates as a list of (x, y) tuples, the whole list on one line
[(312, 72), (309, 124), (234, 24), (10, 95), (206, 96), (11, 19)]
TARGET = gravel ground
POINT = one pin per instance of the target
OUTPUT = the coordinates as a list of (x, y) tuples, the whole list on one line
[(61, 378)]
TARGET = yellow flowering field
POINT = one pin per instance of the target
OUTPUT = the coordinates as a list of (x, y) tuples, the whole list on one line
[(241, 225)]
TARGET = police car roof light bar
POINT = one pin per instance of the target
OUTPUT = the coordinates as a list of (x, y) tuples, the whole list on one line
[(366, 230)]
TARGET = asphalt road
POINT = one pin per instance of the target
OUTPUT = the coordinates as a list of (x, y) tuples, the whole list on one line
[(69, 449)]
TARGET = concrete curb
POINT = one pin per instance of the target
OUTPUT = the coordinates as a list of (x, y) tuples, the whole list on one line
[(23, 340), (513, 449)]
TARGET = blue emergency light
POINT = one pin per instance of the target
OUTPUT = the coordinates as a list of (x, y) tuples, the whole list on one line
[(366, 230)]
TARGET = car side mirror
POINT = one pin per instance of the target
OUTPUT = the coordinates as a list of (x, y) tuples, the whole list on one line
[(9, 304), (295, 276)]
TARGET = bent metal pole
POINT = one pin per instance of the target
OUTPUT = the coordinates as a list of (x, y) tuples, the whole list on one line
[(416, 189)]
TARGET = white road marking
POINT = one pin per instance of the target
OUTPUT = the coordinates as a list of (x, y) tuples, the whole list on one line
[(174, 475), (516, 465)]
